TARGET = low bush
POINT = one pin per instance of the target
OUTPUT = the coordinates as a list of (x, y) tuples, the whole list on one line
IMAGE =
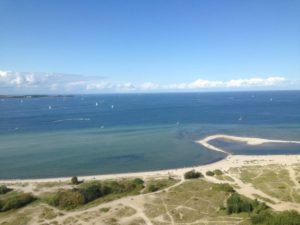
[(192, 175), (138, 181), (152, 188), (15, 201), (276, 218), (4, 189), (210, 173), (75, 181), (69, 199), (237, 204), (217, 172)]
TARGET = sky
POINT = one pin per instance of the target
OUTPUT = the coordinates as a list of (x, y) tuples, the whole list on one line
[(86, 46)]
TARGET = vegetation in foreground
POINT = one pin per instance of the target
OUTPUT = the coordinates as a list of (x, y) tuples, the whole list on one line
[(259, 212), (4, 189), (15, 200), (195, 201), (90, 191)]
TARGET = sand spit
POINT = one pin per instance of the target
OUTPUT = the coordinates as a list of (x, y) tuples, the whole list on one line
[(247, 140)]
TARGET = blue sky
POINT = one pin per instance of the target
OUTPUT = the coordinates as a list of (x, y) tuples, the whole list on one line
[(135, 45)]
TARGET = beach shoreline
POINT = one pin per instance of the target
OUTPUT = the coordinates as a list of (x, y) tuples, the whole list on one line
[(228, 162)]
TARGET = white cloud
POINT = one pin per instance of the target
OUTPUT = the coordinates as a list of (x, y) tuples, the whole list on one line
[(149, 86), (62, 83), (270, 81), (206, 84)]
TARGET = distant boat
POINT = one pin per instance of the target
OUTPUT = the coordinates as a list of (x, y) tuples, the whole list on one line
[(49, 107), (271, 99), (97, 104), (241, 118), (112, 106)]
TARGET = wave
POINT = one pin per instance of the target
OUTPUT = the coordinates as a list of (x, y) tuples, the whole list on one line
[(72, 119)]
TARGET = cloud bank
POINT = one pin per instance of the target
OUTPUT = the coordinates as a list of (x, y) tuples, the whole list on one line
[(29, 82)]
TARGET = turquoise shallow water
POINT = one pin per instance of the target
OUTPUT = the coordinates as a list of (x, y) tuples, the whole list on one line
[(94, 151), (139, 133)]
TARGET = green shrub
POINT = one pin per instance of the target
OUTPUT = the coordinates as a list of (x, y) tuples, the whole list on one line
[(15, 201), (217, 172), (236, 204), (275, 218), (67, 199), (210, 173), (138, 181), (192, 175), (91, 192), (152, 188), (4, 189), (74, 180)]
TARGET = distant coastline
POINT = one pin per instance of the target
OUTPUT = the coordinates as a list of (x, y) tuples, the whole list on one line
[(33, 96)]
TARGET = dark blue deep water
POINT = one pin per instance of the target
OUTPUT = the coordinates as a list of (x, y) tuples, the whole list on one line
[(97, 134)]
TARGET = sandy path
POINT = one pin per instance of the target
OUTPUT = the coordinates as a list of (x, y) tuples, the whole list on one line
[(293, 177), (249, 191)]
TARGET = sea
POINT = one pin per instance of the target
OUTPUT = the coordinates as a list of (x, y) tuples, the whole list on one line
[(59, 136)]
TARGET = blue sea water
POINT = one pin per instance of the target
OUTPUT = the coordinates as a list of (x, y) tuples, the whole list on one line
[(112, 133)]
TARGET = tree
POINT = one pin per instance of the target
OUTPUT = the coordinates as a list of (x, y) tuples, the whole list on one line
[(74, 180), (192, 174)]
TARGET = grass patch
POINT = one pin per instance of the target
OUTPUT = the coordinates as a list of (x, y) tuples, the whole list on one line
[(273, 180), (191, 201), (158, 184), (50, 184), (105, 209)]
